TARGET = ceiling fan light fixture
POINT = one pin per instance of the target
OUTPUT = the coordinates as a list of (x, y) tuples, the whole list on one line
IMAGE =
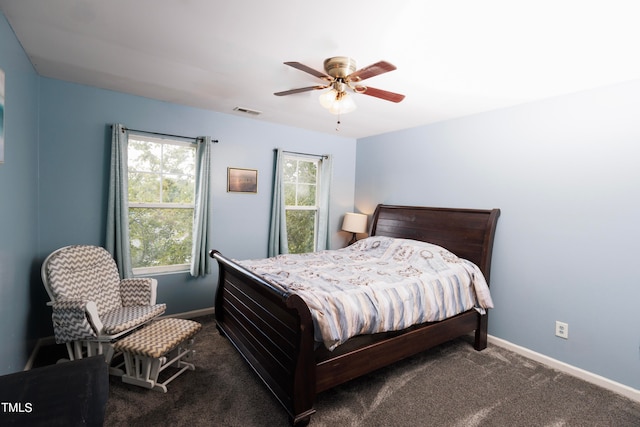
[(327, 98), (337, 102)]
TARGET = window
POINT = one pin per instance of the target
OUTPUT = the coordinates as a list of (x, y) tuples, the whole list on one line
[(301, 177), (161, 174), (300, 220)]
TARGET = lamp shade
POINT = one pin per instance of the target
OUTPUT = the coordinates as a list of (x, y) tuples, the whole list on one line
[(354, 222)]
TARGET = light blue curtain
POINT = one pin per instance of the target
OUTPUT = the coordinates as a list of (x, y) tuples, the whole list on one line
[(117, 239), (200, 260), (324, 196), (278, 225)]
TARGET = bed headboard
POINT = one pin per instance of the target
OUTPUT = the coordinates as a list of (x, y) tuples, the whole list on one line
[(468, 233)]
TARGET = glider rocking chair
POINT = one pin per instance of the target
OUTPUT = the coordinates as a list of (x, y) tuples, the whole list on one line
[(92, 306)]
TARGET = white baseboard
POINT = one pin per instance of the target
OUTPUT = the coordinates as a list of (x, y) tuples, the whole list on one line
[(50, 340), (590, 377)]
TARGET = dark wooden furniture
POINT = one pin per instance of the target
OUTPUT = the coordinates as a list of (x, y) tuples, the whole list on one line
[(273, 330)]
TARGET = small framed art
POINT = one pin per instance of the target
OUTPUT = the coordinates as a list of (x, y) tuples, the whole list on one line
[(242, 180)]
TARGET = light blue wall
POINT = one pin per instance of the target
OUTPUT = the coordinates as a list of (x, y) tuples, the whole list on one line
[(74, 170), (18, 203), (564, 172)]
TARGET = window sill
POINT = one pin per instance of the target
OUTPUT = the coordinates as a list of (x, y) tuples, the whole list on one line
[(159, 271)]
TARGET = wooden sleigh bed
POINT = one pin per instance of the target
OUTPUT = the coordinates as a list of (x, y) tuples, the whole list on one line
[(273, 330)]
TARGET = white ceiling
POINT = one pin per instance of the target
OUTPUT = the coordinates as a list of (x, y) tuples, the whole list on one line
[(454, 58)]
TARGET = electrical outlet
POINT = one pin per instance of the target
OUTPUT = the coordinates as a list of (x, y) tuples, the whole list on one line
[(562, 330)]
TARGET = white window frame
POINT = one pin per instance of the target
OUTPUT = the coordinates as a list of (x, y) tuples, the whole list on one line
[(161, 269), (315, 207)]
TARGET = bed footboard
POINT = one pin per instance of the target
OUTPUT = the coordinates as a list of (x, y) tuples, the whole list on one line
[(273, 331)]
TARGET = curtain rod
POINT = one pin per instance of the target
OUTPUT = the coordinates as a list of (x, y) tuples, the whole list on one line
[(215, 141), (322, 156)]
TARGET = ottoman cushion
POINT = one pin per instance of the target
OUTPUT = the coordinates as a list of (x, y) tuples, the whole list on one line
[(158, 338)]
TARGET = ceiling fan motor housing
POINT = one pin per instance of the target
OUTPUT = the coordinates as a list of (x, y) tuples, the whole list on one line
[(339, 67)]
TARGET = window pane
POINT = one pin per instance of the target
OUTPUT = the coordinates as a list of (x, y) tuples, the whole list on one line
[(289, 194), (179, 159), (307, 172), (301, 230), (289, 171), (144, 187), (178, 189), (306, 195), (160, 236), (144, 156)]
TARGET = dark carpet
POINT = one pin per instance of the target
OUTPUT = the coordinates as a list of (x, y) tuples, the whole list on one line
[(451, 385)]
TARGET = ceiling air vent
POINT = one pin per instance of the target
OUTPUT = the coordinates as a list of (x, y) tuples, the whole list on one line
[(247, 111)]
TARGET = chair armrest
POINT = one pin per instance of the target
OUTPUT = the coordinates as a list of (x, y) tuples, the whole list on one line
[(138, 291), (75, 320)]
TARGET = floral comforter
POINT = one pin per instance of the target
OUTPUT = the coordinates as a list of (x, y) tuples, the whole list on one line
[(378, 284)]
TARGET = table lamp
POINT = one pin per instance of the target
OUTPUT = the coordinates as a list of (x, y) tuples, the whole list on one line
[(354, 223)]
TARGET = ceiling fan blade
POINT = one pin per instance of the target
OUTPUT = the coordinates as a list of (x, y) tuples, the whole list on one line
[(379, 93), (309, 70), (301, 89), (370, 71)]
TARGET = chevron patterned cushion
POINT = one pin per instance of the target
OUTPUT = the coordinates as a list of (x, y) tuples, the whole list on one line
[(83, 272), (70, 322), (158, 338), (122, 318), (136, 291)]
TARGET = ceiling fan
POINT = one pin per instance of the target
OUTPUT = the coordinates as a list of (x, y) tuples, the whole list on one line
[(340, 75)]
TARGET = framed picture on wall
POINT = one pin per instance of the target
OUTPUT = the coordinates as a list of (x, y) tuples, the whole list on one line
[(242, 180)]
